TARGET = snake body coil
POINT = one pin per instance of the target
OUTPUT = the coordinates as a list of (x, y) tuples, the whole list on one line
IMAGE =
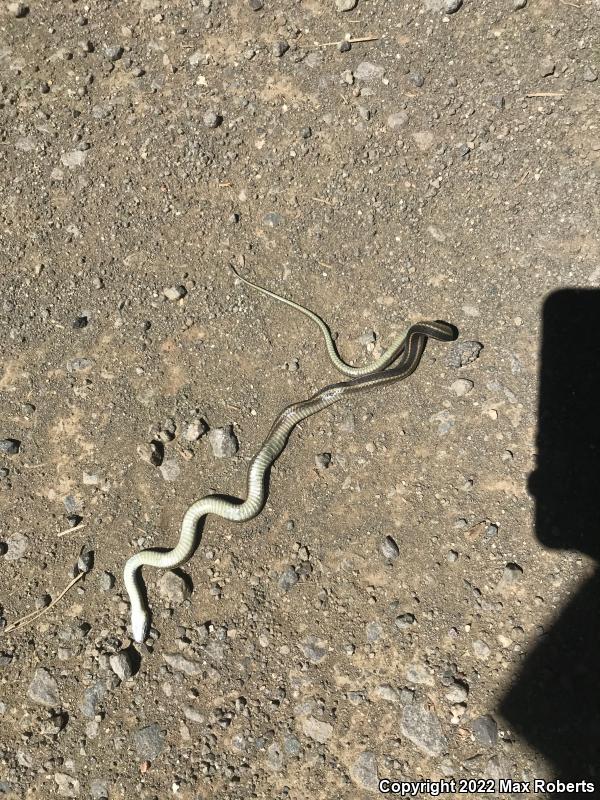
[(408, 349)]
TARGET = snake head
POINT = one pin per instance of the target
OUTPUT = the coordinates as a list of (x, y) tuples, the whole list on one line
[(140, 625)]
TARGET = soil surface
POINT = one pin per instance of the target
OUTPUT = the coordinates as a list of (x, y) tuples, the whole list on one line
[(417, 600)]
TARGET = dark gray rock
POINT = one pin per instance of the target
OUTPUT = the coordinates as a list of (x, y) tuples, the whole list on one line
[(463, 353), (485, 730), (423, 728), (10, 447), (92, 696), (280, 48), (288, 579), (149, 742), (389, 548), (314, 648), (43, 688), (364, 771)]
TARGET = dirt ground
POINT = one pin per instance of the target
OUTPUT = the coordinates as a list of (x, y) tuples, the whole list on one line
[(397, 611)]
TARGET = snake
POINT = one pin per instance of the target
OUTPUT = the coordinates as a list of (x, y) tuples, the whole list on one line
[(401, 358)]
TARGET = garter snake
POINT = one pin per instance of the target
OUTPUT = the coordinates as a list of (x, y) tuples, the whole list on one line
[(406, 352)]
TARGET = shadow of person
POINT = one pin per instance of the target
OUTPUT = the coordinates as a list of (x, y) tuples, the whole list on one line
[(555, 702)]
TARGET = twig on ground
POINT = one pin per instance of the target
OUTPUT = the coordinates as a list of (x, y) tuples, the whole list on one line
[(353, 40), (34, 615), (321, 200), (72, 530)]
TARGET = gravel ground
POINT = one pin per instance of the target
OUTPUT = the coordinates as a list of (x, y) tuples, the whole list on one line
[(382, 614)]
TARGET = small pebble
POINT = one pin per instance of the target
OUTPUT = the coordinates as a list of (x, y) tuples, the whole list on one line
[(485, 730), (386, 692), (17, 545), (175, 292), (314, 649), (389, 548), (405, 621), (255, 5), (457, 693), (397, 120), (173, 587), (98, 790), (195, 430), (149, 742), (519, 4), (461, 387), (18, 10), (113, 52), (223, 441), (363, 771), (367, 71), (323, 460), (43, 601), (272, 219), (491, 530), (170, 470), (589, 75), (463, 352), (280, 48), (9, 447), (211, 119), (512, 575), (481, 649), (151, 453), (346, 5), (43, 688), (121, 664), (73, 158), (182, 664), (317, 729), (421, 725), (452, 6), (546, 68), (80, 322), (85, 562), (288, 579), (107, 581)]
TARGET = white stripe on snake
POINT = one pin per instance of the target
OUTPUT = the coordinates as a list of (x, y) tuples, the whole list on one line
[(405, 351)]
